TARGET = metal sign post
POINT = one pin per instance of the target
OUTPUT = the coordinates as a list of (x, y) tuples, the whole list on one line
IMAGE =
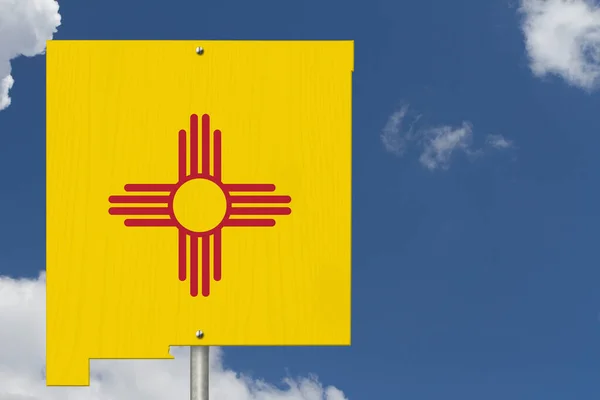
[(199, 374)]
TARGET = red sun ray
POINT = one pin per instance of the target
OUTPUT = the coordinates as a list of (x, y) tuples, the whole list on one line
[(181, 166), (205, 143), (138, 199), (249, 199), (138, 211), (217, 272), (217, 163), (193, 144), (182, 249), (149, 187), (249, 222), (205, 265), (193, 265), (150, 222), (249, 187), (260, 211)]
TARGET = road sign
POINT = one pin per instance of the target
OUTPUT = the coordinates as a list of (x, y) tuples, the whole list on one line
[(195, 190)]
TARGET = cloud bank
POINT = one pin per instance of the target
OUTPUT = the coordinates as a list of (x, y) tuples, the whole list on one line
[(22, 352), (437, 144), (562, 38), (25, 26)]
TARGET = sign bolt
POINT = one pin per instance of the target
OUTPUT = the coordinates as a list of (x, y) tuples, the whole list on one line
[(199, 51), (199, 334)]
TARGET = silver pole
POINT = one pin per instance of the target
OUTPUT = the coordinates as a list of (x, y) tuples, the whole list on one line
[(199, 373)]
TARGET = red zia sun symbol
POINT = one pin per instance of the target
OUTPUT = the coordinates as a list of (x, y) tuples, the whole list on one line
[(178, 205)]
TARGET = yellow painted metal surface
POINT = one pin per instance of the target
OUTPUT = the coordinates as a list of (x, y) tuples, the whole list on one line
[(242, 154)]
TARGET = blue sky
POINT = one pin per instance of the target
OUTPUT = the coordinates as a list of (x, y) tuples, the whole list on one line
[(475, 255)]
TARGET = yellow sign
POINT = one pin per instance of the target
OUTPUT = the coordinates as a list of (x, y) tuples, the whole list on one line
[(195, 191)]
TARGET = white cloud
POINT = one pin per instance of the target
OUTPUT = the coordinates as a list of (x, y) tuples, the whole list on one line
[(440, 142), (562, 38), (392, 140), (498, 142), (25, 25), (22, 350), (437, 144)]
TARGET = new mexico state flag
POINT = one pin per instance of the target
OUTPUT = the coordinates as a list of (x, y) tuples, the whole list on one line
[(192, 192)]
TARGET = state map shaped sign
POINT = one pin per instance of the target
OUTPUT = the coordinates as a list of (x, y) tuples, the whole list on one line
[(190, 192)]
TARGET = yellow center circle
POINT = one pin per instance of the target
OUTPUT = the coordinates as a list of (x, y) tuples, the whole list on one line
[(199, 205)]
